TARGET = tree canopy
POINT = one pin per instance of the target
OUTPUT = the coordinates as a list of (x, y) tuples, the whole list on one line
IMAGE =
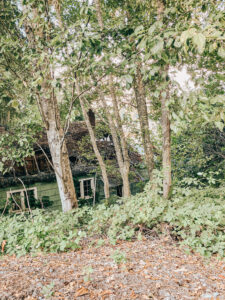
[(58, 59)]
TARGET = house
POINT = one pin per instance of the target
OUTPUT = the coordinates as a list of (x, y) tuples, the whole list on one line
[(36, 181)]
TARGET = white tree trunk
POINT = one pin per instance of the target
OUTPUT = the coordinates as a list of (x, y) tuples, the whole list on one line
[(49, 110), (57, 145), (62, 169)]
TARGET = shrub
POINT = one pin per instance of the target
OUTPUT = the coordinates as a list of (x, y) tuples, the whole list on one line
[(196, 218)]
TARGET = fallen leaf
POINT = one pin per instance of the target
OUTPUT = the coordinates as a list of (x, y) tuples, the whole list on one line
[(107, 292), (104, 294), (150, 277), (3, 245), (81, 292), (133, 295)]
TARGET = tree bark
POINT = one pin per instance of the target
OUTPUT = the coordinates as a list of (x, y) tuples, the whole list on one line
[(119, 155), (59, 153), (166, 131), (125, 165), (36, 163), (94, 145), (143, 119), (166, 155)]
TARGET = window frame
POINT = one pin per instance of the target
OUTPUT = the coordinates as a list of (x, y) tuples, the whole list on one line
[(22, 196), (81, 181)]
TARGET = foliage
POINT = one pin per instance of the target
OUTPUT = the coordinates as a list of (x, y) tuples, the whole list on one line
[(48, 232), (198, 152), (17, 143), (40, 203), (195, 218), (158, 37)]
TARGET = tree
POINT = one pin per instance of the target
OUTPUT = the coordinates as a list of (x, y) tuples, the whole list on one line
[(94, 144), (126, 48), (120, 146), (33, 42)]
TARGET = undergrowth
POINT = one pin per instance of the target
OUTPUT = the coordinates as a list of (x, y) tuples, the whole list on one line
[(195, 217)]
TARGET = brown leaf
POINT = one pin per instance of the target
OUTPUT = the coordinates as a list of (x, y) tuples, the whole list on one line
[(104, 294), (107, 292), (150, 277), (81, 292), (3, 245), (133, 295)]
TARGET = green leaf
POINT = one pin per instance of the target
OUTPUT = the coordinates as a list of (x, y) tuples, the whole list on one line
[(158, 47), (129, 78), (184, 36), (169, 42), (221, 52), (14, 104), (177, 43), (142, 44), (219, 125), (199, 41), (151, 29), (139, 29), (212, 47)]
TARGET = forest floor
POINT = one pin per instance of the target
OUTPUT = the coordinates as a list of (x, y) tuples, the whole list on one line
[(148, 269)]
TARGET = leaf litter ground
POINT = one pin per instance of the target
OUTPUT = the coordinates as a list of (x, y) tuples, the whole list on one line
[(147, 269)]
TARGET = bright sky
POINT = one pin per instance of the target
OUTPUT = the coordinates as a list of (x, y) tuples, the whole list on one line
[(184, 79)]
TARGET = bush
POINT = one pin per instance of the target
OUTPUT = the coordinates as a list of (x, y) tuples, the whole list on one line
[(195, 217)]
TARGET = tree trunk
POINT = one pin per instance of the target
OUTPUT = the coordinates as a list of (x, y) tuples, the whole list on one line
[(143, 119), (126, 161), (167, 177), (122, 158), (49, 110), (62, 168), (59, 153), (166, 155), (94, 145), (36, 163), (119, 155)]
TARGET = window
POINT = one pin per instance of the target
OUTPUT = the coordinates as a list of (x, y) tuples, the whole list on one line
[(86, 188), (18, 198)]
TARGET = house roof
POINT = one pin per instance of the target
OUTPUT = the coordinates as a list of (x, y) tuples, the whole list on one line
[(42, 177), (76, 132)]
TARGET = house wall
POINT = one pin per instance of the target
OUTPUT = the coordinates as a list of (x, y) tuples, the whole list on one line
[(50, 190)]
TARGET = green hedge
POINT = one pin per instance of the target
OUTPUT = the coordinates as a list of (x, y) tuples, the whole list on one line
[(195, 217)]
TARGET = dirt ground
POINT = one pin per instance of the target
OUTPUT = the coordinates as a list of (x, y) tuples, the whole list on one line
[(147, 269)]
